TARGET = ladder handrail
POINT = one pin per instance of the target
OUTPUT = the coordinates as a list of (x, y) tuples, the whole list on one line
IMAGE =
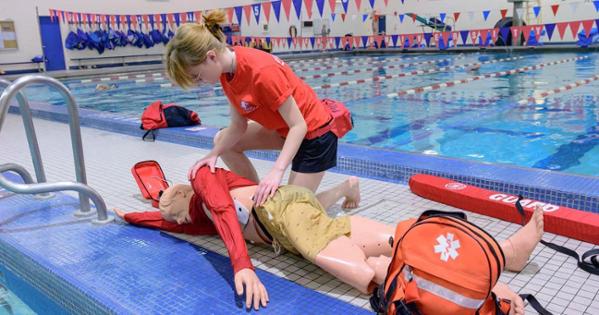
[(34, 148), (85, 192)]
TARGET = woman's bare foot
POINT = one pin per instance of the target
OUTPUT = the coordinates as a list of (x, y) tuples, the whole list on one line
[(351, 191), (519, 246), (502, 291)]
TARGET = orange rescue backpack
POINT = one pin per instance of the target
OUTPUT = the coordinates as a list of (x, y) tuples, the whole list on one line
[(442, 264)]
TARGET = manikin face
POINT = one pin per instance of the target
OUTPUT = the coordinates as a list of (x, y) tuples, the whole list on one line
[(207, 72), (174, 204)]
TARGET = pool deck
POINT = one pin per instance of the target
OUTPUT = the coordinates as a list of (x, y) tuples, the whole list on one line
[(73, 249)]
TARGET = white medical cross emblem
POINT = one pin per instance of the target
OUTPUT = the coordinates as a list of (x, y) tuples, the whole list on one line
[(447, 246)]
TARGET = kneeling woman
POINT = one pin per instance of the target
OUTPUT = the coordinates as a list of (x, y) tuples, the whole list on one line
[(352, 248)]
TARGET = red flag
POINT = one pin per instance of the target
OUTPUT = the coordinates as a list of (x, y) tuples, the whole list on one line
[(445, 36), (332, 5), (515, 32), (503, 13), (494, 34), (413, 17), (113, 20), (52, 15), (343, 17), (287, 7), (574, 26), (538, 30), (266, 8), (308, 5), (379, 40), (474, 36), (386, 3), (419, 38), (456, 16), (436, 37), (247, 10), (145, 19), (230, 12), (198, 16), (170, 18), (561, 29), (587, 26), (183, 17), (526, 32), (358, 4), (483, 35), (554, 8), (356, 41)]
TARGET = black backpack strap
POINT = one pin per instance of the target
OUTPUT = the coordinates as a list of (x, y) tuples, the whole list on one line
[(432, 213), (532, 301), (590, 266)]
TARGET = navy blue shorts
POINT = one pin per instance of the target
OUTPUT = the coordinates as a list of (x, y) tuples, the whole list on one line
[(316, 155)]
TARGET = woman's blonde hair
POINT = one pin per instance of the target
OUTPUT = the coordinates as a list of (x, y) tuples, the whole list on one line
[(191, 43)]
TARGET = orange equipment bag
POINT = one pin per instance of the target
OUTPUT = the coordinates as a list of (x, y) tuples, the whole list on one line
[(442, 264), (341, 120), (150, 179)]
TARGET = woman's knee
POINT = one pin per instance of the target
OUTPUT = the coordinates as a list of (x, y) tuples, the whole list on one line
[(218, 138)]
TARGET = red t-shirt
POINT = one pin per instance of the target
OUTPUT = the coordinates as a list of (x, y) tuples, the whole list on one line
[(212, 189), (260, 85)]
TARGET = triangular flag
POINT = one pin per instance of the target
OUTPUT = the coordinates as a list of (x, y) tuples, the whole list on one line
[(427, 38), (596, 3), (536, 10), (345, 4), (238, 14), (371, 3), (445, 37), (484, 34), (561, 29), (276, 6), (474, 36), (394, 40), (486, 14), (597, 23), (587, 26), (494, 34), (297, 4), (286, 8), (356, 41), (333, 15), (503, 13), (320, 7), (364, 17), (332, 5), (343, 16), (554, 8), (256, 10), (436, 37), (358, 4), (401, 16), (230, 13), (413, 15), (464, 35), (364, 41), (312, 41), (247, 10), (442, 17), (266, 7), (550, 28), (456, 16), (308, 5), (574, 26), (526, 32), (456, 37), (337, 41), (289, 40), (386, 3)]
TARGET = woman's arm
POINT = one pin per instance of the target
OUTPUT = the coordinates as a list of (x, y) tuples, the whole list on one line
[(292, 115)]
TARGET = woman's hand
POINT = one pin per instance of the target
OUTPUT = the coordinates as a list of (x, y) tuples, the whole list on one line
[(209, 160), (268, 186), (255, 292)]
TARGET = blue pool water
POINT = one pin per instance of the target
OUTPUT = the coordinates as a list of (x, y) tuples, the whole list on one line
[(480, 120)]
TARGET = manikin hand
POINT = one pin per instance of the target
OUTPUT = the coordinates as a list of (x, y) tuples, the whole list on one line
[(209, 160), (255, 292)]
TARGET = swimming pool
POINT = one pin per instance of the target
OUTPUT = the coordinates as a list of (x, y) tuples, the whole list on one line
[(400, 102)]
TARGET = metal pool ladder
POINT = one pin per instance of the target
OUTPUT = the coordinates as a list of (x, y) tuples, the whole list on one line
[(42, 188)]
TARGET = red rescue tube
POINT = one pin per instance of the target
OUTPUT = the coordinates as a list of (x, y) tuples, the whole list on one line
[(578, 224)]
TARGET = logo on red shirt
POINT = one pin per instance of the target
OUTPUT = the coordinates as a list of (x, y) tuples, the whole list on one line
[(247, 107)]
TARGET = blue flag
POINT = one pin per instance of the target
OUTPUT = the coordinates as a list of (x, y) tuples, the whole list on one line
[(442, 17), (596, 3), (297, 4), (256, 10), (427, 38), (486, 14), (364, 17), (550, 28), (333, 16), (345, 3), (401, 16), (337, 41), (312, 41), (289, 41), (238, 14), (536, 10), (276, 6), (364, 41), (371, 4), (320, 6), (394, 39), (464, 35)]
